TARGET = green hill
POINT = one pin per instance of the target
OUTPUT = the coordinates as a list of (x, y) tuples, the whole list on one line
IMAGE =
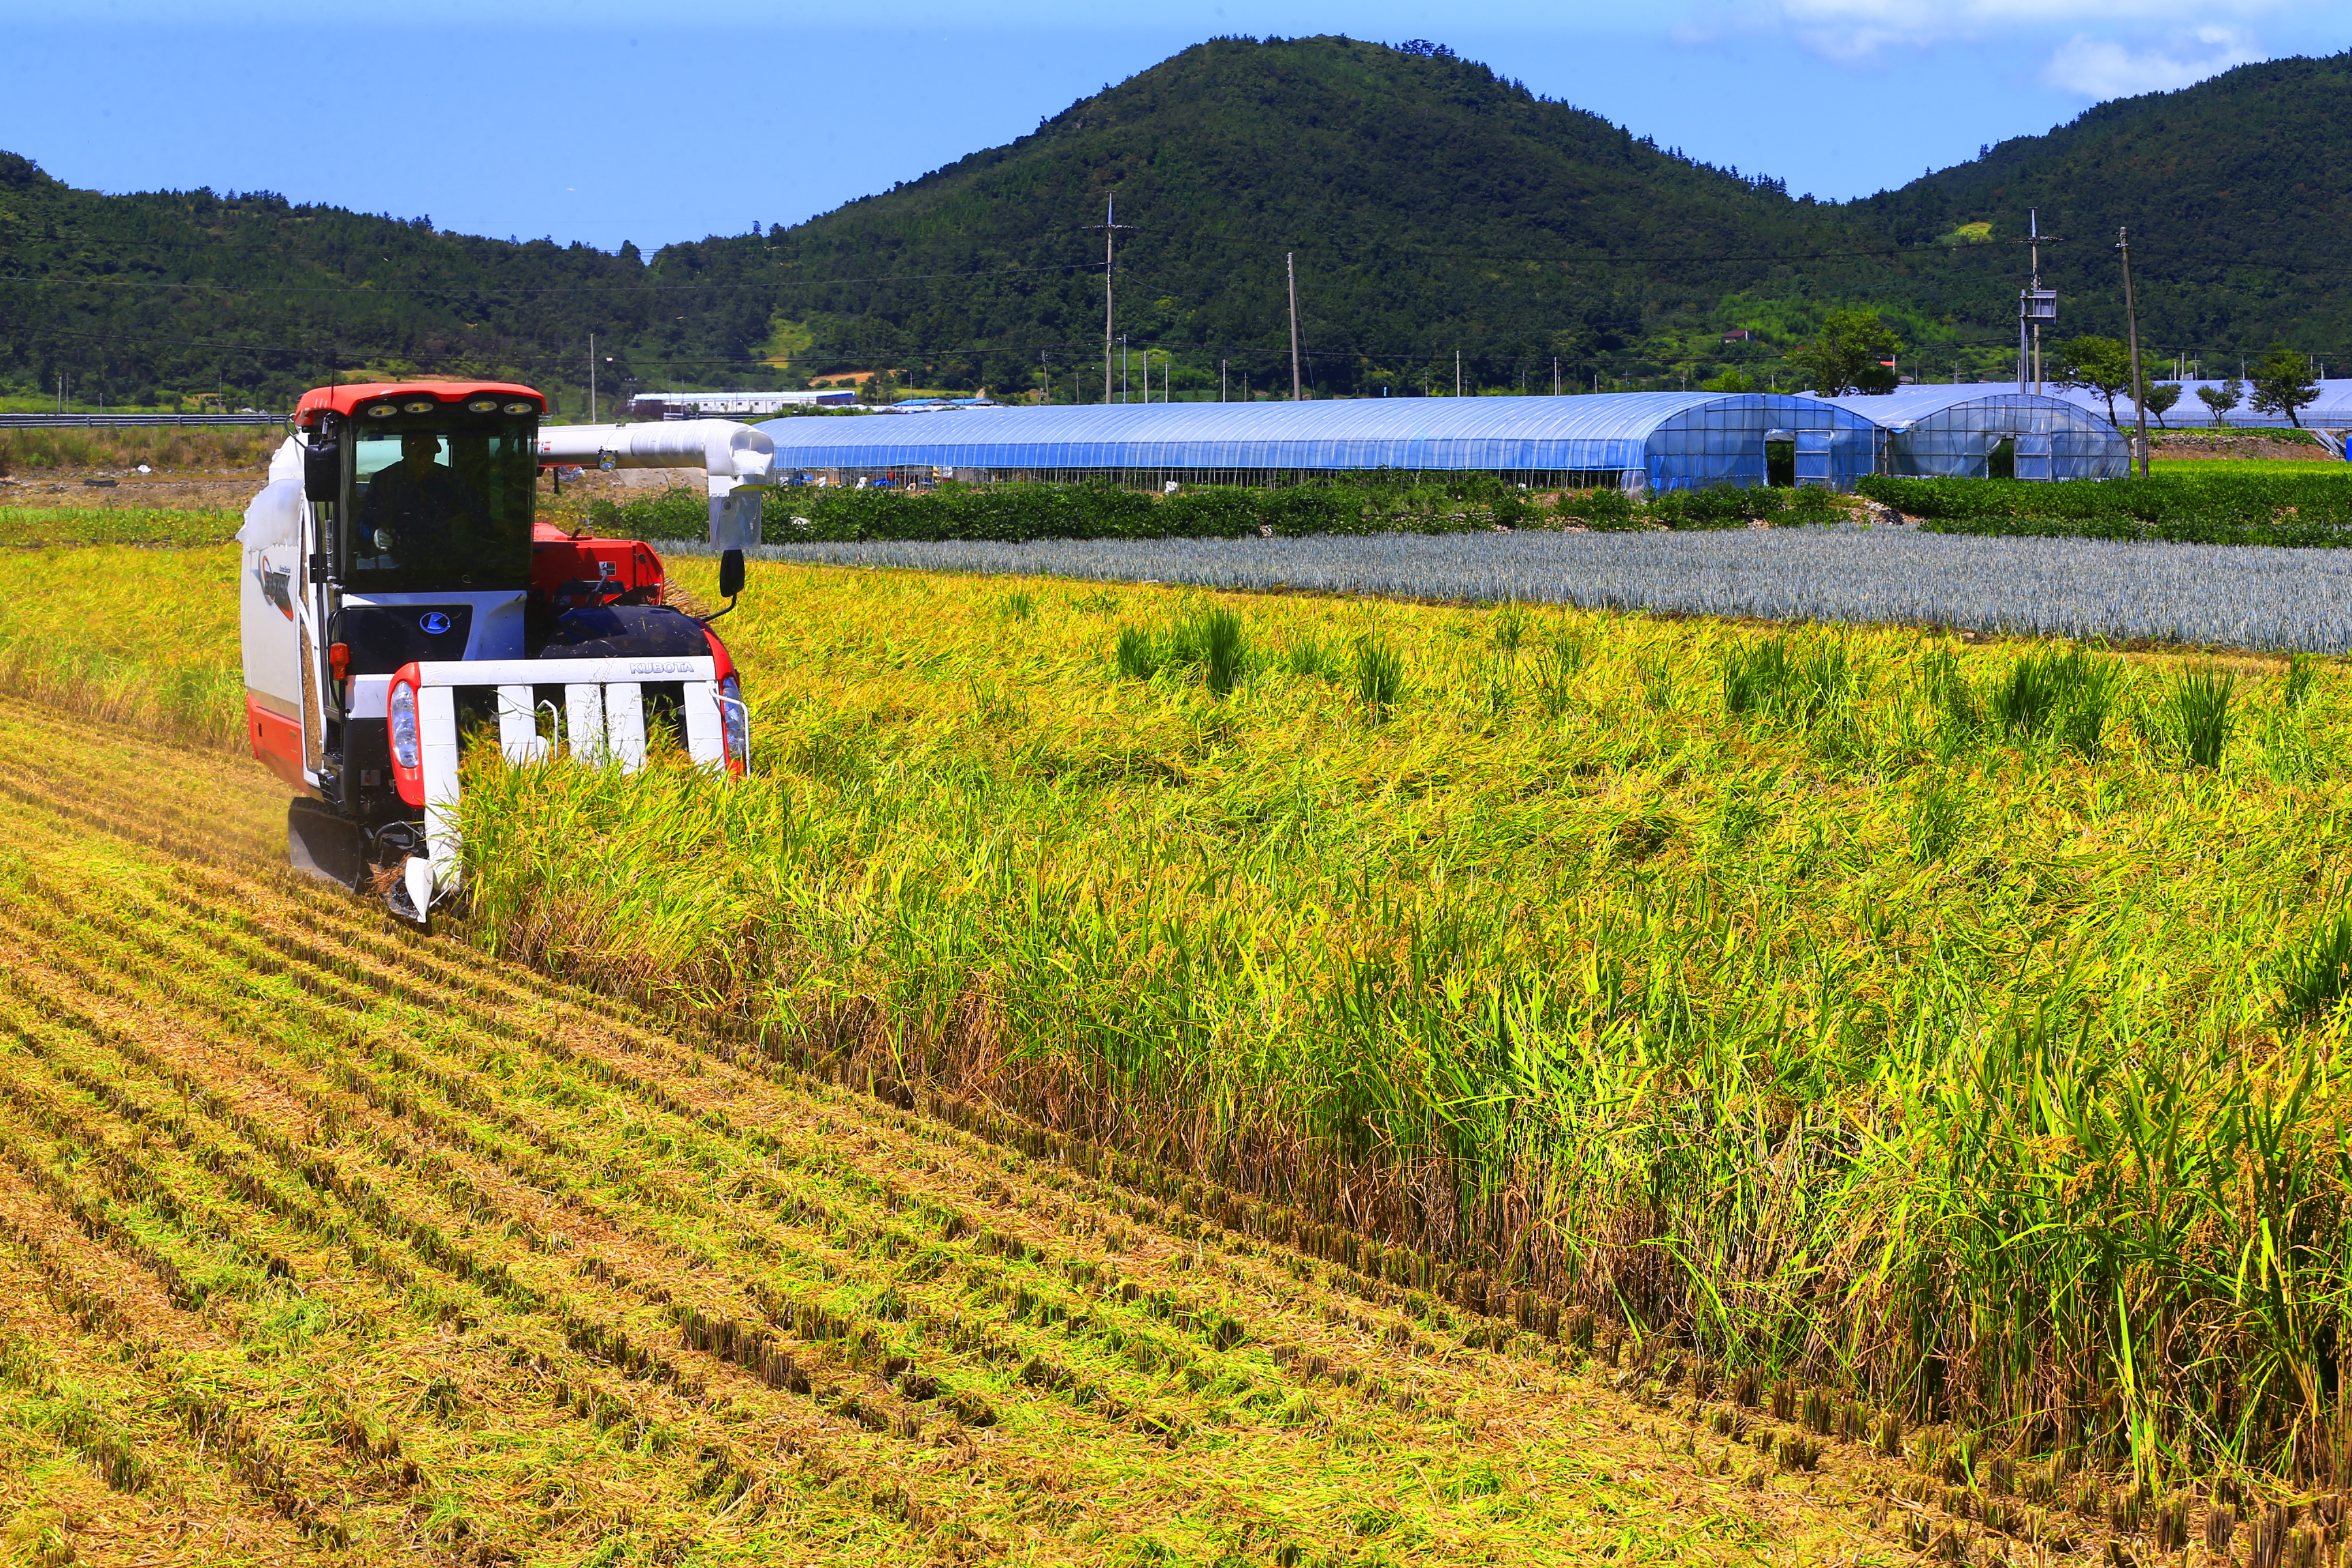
[(194, 293), (2234, 191), (1432, 206)]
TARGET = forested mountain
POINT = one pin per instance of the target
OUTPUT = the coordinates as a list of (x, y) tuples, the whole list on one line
[(2234, 190), (1431, 205), (190, 293)]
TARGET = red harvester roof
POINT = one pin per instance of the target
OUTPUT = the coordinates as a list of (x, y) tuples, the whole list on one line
[(346, 400)]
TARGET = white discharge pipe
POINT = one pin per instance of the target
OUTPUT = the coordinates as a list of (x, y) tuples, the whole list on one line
[(735, 458), (721, 448)]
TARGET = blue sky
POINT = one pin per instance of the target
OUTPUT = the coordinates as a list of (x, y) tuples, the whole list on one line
[(611, 120)]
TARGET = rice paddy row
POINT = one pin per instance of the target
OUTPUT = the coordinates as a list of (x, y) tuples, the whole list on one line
[(1930, 1020), (320, 1237)]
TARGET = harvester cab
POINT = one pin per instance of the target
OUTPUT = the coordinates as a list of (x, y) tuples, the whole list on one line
[(397, 594)]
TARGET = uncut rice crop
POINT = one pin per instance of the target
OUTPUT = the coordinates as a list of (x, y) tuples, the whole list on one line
[(32, 451), (1789, 1002), (142, 638), (2216, 596), (25, 526)]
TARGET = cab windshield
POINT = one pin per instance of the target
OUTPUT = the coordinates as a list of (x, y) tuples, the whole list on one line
[(439, 505)]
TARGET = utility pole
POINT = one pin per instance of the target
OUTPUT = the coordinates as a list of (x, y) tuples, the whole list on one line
[(1555, 376), (2034, 306), (1110, 226), (1290, 269), (592, 378), (1220, 380), (2131, 327), (1457, 373)]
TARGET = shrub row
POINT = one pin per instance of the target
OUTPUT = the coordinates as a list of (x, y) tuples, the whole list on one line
[(2301, 509), (1018, 512)]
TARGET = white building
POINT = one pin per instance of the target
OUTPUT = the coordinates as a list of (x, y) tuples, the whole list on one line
[(705, 404)]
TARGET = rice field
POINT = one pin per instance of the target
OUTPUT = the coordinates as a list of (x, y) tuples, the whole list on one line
[(143, 638), (320, 1239), (1931, 1020), (39, 526), (34, 452), (1812, 1027), (2222, 596)]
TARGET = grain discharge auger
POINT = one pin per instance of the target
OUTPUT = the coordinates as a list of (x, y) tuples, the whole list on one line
[(396, 593)]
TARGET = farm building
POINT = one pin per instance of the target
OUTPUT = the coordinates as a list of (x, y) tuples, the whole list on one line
[(1638, 441), (1973, 432)]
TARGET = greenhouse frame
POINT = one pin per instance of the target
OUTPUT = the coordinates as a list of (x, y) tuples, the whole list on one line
[(1975, 432), (1641, 441)]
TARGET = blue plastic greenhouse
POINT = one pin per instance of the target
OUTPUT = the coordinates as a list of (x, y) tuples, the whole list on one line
[(1973, 432), (1645, 440)]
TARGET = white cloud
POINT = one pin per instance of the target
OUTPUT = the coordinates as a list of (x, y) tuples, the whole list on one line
[(1859, 30), (2101, 69)]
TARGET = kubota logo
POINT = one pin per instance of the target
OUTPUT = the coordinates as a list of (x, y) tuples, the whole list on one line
[(434, 622)]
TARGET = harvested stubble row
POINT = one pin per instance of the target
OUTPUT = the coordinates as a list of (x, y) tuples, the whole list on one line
[(318, 1236)]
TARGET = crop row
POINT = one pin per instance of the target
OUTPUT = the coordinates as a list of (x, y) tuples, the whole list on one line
[(46, 527), (2212, 506), (374, 1201)]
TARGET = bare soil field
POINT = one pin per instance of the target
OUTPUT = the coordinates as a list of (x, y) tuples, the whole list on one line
[(2173, 445)]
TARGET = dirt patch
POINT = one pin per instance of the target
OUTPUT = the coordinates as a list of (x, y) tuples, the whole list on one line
[(180, 492), (2178, 444)]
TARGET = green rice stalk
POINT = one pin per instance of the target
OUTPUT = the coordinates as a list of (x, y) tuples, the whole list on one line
[(2295, 689), (1380, 675), (2197, 714)]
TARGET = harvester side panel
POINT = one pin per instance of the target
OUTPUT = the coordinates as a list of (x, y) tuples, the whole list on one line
[(269, 585)]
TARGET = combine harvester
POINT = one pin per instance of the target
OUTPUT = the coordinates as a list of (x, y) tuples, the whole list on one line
[(396, 591)]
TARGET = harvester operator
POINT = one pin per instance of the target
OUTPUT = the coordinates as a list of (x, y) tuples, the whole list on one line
[(420, 511)]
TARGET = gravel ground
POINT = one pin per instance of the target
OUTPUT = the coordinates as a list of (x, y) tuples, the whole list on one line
[(2212, 595)]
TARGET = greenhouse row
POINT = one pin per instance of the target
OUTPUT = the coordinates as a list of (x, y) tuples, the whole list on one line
[(1638, 441)]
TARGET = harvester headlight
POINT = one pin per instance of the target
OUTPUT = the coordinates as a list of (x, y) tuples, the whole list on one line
[(382, 410), (401, 707), (418, 406), (735, 724), (483, 406), (519, 406)]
